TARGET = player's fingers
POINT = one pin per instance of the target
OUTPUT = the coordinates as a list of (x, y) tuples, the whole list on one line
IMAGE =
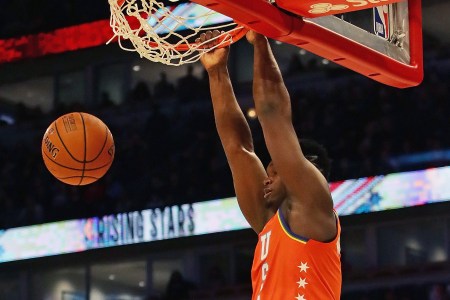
[(208, 35), (204, 40), (202, 37), (216, 33), (215, 37)]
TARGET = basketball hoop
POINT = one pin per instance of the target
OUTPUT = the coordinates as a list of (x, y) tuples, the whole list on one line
[(166, 34)]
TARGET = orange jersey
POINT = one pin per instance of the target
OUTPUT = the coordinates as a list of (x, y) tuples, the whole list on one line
[(289, 267)]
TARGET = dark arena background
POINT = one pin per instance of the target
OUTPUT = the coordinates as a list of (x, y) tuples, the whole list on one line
[(163, 223)]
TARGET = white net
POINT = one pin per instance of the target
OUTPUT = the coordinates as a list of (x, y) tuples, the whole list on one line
[(167, 34)]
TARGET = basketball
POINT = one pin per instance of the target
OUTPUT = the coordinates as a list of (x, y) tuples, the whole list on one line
[(78, 148)]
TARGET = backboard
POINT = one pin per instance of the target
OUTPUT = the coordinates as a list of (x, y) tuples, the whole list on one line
[(390, 52)]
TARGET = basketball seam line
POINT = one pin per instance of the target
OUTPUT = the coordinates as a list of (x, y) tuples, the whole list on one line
[(75, 169), (84, 156), (77, 177), (103, 147)]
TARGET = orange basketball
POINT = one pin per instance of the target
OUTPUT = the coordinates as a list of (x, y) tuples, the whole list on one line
[(78, 148)]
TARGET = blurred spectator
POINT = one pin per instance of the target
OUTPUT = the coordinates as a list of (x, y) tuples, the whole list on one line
[(295, 65), (115, 192), (105, 100), (94, 197), (8, 212), (31, 212), (188, 86), (141, 93), (438, 292), (178, 288), (59, 201), (390, 295), (163, 88), (215, 278)]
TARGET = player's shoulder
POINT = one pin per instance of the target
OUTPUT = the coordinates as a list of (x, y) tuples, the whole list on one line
[(317, 223)]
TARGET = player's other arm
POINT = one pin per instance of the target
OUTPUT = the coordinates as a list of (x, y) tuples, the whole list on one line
[(310, 207), (247, 170)]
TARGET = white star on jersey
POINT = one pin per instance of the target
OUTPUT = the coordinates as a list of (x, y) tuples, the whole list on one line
[(300, 297), (303, 267), (302, 283)]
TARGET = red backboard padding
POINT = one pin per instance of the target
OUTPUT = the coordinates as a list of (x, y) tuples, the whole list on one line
[(319, 8)]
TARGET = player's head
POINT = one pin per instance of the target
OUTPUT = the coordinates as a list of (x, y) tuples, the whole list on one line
[(317, 155), (274, 190)]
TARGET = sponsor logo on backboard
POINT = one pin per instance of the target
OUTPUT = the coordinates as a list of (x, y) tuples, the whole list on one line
[(343, 6), (381, 21), (321, 8)]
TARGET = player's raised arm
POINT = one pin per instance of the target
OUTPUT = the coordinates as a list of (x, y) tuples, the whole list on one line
[(309, 208), (234, 132)]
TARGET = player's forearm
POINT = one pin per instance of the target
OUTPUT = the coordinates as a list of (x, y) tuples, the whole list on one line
[(269, 91), (231, 124)]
